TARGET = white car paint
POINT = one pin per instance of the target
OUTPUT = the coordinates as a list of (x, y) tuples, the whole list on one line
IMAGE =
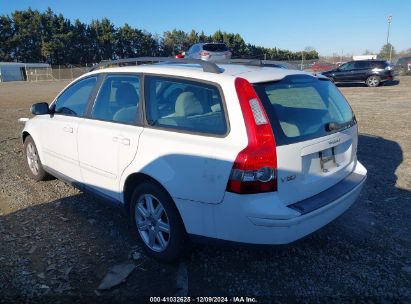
[(118, 144), (58, 140), (194, 169)]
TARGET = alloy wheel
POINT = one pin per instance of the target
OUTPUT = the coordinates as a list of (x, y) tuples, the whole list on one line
[(152, 222), (373, 81), (32, 158)]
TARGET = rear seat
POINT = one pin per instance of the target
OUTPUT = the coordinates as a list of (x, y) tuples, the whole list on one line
[(189, 114)]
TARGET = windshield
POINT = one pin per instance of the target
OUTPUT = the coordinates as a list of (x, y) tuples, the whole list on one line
[(301, 107)]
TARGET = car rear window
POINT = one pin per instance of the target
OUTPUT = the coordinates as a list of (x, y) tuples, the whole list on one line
[(300, 107), (380, 64), (215, 47)]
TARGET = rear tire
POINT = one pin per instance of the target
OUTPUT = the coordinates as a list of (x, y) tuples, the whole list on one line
[(34, 166), (156, 222), (373, 81)]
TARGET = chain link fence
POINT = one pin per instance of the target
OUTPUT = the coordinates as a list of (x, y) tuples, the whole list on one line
[(56, 72), (70, 71)]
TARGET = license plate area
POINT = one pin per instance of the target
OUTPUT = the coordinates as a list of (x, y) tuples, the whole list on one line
[(327, 159)]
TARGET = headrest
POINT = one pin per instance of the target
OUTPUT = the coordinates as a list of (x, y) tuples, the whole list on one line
[(187, 105), (127, 115), (126, 95)]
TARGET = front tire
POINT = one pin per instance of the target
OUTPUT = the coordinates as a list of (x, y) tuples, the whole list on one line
[(373, 81), (156, 222), (34, 166)]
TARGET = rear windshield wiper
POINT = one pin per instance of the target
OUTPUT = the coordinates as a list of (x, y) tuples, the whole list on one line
[(334, 126)]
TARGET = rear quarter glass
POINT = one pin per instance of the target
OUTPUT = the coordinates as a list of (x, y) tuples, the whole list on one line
[(380, 64), (300, 106)]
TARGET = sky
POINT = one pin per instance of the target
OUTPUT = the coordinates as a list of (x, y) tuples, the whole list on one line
[(345, 26)]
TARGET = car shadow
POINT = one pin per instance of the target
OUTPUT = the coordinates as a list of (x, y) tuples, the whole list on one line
[(339, 259), (70, 244), (353, 85)]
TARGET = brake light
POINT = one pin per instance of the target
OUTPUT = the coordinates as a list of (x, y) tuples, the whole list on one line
[(204, 53), (255, 168)]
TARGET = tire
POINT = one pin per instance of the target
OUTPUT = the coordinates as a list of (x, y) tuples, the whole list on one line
[(156, 222), (33, 163), (373, 81)]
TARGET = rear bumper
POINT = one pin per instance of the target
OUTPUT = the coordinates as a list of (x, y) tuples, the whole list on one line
[(259, 221), (387, 76)]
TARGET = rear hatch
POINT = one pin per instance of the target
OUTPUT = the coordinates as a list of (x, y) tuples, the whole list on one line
[(315, 132), (218, 51)]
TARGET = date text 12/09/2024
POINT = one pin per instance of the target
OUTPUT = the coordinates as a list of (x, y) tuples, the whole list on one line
[(203, 300)]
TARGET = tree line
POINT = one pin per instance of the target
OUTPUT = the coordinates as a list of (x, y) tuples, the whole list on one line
[(33, 36)]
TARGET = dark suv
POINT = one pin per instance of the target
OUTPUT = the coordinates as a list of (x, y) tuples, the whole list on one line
[(403, 65), (370, 72)]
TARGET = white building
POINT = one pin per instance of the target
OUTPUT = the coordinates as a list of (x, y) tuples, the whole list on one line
[(364, 57), (19, 71)]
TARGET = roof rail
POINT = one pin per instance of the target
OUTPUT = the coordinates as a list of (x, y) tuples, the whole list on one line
[(207, 66), (256, 62)]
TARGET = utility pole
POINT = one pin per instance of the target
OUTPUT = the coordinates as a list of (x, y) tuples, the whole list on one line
[(302, 60), (389, 18)]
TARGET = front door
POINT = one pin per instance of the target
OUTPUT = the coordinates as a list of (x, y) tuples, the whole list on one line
[(59, 131), (345, 72)]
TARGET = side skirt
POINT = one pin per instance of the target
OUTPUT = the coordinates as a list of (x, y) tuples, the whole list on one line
[(85, 188)]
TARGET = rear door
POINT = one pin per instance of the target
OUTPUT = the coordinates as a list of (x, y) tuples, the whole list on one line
[(108, 138), (184, 146), (310, 156), (361, 70)]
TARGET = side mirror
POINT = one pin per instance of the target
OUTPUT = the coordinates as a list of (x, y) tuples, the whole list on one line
[(40, 108)]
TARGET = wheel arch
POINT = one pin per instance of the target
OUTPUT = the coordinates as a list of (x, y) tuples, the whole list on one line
[(24, 135), (132, 181)]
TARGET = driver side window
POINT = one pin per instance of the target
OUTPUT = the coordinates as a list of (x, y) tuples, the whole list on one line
[(73, 101), (348, 66)]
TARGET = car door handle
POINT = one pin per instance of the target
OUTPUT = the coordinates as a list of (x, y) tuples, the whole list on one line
[(68, 129), (122, 140)]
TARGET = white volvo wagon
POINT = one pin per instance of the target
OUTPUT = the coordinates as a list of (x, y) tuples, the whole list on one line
[(234, 152)]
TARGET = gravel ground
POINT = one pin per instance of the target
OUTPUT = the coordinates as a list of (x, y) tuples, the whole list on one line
[(58, 243)]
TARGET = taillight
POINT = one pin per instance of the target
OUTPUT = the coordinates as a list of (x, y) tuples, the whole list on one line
[(204, 53), (255, 168)]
